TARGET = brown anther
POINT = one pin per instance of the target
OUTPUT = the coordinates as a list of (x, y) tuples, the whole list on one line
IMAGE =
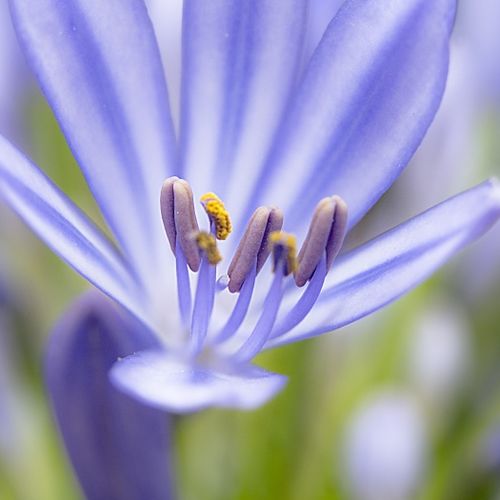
[(326, 234), (254, 246), (179, 219)]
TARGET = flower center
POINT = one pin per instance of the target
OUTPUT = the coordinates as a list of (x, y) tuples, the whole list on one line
[(197, 251)]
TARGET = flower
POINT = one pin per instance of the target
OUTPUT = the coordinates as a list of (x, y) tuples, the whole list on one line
[(385, 447), (262, 129)]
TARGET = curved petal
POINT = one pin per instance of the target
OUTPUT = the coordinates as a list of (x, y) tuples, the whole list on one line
[(240, 61), (99, 66), (321, 12), (15, 82), (118, 448), (180, 387), (385, 268), (368, 96), (64, 228)]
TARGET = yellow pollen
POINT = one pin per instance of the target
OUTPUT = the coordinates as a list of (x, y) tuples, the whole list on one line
[(218, 214), (288, 243), (208, 244)]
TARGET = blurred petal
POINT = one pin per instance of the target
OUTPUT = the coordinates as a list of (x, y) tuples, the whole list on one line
[(368, 96), (477, 25), (179, 387), (64, 228), (385, 448), (240, 61), (385, 268), (119, 448), (14, 82), (99, 66)]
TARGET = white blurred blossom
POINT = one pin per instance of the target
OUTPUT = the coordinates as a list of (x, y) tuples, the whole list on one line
[(385, 448), (439, 351)]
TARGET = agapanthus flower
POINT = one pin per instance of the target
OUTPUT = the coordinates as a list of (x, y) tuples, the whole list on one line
[(269, 142)]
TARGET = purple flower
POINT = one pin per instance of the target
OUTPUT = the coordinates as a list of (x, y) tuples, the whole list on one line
[(262, 128)]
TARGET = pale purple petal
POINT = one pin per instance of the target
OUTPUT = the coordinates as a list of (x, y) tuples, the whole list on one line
[(119, 448), (240, 62), (14, 82), (383, 269), (321, 12), (370, 92), (65, 229), (176, 386), (99, 66), (477, 26), (166, 16)]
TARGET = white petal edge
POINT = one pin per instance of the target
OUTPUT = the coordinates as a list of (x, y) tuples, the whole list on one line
[(176, 386)]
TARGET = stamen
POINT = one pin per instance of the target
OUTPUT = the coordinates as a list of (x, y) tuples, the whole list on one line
[(321, 246), (203, 304), (240, 309), (179, 219), (326, 234), (208, 244), (305, 303), (183, 286), (284, 248), (260, 333), (218, 215), (254, 247)]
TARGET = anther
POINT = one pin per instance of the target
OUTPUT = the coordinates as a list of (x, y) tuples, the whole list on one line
[(208, 244), (217, 214), (254, 248), (284, 249), (179, 219), (326, 234)]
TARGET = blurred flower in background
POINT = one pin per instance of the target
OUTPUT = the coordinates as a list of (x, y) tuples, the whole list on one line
[(385, 448), (439, 353)]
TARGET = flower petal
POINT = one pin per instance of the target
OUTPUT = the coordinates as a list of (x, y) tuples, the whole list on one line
[(64, 228), (166, 17), (240, 62), (180, 387), (118, 448), (14, 84), (385, 268), (99, 66), (368, 96), (321, 12)]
